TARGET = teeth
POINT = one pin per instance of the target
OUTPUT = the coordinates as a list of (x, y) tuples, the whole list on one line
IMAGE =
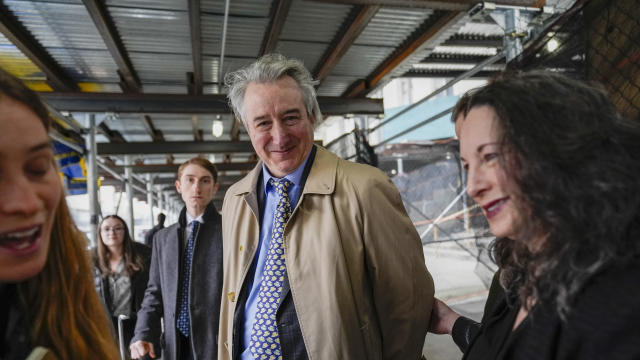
[(495, 205), (20, 234), (22, 245)]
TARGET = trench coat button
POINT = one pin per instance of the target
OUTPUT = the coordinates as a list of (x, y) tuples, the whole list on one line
[(241, 248), (232, 296)]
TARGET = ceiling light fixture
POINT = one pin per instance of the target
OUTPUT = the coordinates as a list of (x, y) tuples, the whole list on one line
[(217, 129)]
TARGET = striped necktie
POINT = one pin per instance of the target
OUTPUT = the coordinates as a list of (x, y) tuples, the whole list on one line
[(265, 343)]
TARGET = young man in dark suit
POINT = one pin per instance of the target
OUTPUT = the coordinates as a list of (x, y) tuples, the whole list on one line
[(185, 279)]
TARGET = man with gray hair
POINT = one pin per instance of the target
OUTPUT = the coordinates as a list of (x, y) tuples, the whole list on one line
[(321, 260)]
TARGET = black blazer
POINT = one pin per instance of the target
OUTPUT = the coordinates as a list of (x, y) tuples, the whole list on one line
[(603, 323), (161, 296), (138, 279)]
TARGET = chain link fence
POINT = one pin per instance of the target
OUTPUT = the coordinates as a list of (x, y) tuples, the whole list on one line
[(431, 183), (598, 41), (613, 51), (354, 146)]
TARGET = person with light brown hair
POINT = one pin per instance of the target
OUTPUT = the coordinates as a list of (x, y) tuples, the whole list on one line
[(185, 279), (47, 298), (121, 273)]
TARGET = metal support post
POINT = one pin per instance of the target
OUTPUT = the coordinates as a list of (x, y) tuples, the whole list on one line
[(167, 205), (92, 180), (161, 201), (465, 208), (513, 34), (150, 197), (128, 173)]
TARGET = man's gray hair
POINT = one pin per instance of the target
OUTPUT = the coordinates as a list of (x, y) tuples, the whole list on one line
[(268, 69)]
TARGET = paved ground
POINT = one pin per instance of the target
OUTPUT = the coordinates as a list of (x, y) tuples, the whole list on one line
[(458, 286)]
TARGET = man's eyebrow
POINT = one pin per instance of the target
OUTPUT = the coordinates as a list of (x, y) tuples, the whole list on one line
[(291, 111), (196, 176), (259, 118)]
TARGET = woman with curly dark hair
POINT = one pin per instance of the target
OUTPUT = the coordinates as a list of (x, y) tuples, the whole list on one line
[(121, 272), (556, 171)]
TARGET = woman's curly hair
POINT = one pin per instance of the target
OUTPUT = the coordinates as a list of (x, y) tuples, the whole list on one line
[(576, 166)]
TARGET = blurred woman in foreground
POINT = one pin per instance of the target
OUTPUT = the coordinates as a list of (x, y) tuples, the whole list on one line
[(556, 171), (46, 290)]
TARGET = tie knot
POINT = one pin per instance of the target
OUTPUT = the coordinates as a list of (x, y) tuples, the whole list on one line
[(281, 186), (194, 225)]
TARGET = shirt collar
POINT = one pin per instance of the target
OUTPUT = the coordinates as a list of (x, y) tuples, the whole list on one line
[(295, 177), (198, 219)]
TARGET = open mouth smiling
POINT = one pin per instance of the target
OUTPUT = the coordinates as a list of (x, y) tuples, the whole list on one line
[(22, 241)]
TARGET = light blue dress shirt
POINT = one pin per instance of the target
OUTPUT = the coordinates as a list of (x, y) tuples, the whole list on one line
[(270, 202)]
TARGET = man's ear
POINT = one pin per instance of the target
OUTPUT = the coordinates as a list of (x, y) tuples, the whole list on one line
[(178, 186), (216, 187)]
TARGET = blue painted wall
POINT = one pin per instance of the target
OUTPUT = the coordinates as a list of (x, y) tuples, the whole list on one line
[(437, 129)]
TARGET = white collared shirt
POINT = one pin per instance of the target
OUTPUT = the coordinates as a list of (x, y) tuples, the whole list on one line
[(187, 230)]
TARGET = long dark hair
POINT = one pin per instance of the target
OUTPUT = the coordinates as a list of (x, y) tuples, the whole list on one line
[(60, 303), (575, 164), (132, 260)]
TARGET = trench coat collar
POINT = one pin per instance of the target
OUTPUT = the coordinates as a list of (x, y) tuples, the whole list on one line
[(321, 180)]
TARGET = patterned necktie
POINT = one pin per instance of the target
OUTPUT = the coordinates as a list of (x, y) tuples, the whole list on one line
[(265, 343), (183, 316)]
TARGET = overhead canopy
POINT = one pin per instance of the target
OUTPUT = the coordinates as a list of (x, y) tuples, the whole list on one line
[(155, 67)]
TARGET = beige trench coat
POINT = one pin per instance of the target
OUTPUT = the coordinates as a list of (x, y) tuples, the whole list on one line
[(354, 260)]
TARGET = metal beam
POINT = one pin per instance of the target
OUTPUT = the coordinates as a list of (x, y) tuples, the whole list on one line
[(432, 28), (173, 168), (448, 85), (196, 45), (197, 133), (452, 5), (18, 34), (187, 104), (444, 58), (113, 135), (170, 184), (225, 180), (107, 29), (175, 147), (129, 80), (156, 135), (353, 26), (469, 40), (433, 73), (278, 15)]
